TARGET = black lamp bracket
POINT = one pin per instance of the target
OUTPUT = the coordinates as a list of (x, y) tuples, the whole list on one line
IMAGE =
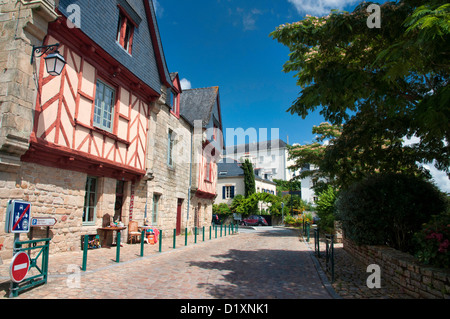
[(40, 51)]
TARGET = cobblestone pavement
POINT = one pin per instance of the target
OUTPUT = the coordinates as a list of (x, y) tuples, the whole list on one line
[(273, 263), (351, 275)]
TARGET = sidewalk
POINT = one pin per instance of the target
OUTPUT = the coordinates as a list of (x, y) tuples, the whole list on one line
[(350, 276)]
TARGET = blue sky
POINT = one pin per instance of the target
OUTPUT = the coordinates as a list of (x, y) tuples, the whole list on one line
[(226, 43)]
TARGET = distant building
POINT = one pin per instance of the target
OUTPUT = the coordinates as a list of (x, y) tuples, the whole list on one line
[(231, 183)]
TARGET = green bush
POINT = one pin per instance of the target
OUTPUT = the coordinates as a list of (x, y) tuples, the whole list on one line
[(387, 209), (221, 209), (325, 208), (433, 241)]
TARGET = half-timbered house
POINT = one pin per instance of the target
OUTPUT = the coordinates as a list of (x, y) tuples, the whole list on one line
[(101, 141)]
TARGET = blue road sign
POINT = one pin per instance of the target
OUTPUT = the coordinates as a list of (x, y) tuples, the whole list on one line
[(18, 216)]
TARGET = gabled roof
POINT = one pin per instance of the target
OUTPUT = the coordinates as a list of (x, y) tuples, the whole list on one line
[(99, 20), (198, 104)]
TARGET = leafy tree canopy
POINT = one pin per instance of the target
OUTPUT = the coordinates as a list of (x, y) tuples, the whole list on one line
[(382, 84)]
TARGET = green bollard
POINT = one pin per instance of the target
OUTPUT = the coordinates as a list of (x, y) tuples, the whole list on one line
[(203, 233), (85, 251), (195, 235), (209, 232), (220, 230), (160, 240), (185, 236), (118, 247), (142, 242), (174, 238), (215, 228)]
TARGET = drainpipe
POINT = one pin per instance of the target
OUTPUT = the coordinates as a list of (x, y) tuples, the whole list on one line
[(190, 180)]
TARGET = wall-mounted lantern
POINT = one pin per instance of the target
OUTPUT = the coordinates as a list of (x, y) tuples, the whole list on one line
[(54, 61)]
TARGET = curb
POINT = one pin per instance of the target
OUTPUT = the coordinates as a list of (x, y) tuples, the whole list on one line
[(322, 275)]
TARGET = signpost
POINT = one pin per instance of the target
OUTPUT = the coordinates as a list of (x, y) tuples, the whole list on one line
[(43, 222), (18, 221), (19, 267)]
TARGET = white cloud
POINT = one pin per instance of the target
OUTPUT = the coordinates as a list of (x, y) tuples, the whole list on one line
[(440, 178), (185, 84), (159, 10), (248, 18), (320, 7)]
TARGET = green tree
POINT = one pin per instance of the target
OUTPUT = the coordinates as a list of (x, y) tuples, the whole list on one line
[(222, 209), (249, 178), (325, 207), (382, 84)]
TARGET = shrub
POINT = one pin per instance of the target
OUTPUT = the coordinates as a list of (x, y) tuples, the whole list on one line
[(222, 209), (325, 207), (433, 241), (387, 209)]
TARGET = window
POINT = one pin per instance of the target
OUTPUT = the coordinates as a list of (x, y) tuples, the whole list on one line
[(125, 32), (208, 170), (173, 101), (170, 142), (104, 106), (90, 199), (155, 209), (228, 192)]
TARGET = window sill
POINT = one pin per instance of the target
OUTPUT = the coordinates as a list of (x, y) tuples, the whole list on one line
[(88, 224), (126, 51)]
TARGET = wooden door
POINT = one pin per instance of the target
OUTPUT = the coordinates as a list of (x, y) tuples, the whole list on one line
[(179, 206)]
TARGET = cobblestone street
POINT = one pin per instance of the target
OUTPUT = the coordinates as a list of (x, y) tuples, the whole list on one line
[(273, 263)]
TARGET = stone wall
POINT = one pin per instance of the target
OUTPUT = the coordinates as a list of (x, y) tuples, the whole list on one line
[(60, 193), (403, 270), (171, 183), (22, 25)]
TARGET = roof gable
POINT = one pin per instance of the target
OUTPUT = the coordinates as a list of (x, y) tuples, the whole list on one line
[(198, 104), (147, 60)]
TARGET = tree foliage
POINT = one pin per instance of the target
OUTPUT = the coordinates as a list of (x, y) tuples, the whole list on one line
[(383, 84), (249, 178)]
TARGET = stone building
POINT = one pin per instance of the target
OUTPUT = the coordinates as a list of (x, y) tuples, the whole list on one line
[(201, 107), (104, 141)]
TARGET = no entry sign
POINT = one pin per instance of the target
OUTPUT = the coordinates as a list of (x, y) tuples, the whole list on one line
[(19, 267)]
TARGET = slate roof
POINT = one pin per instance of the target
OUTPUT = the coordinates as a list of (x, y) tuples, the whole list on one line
[(198, 104), (265, 145), (227, 169), (99, 20)]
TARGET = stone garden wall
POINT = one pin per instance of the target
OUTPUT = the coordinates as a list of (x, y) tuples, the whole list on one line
[(403, 270)]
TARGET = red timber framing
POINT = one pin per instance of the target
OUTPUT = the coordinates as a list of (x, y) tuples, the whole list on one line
[(64, 134)]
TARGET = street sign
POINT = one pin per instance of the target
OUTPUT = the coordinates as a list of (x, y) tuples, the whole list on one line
[(43, 222), (18, 215), (19, 267)]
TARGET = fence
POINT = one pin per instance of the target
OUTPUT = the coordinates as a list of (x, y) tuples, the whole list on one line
[(230, 229), (329, 255), (42, 272), (329, 251)]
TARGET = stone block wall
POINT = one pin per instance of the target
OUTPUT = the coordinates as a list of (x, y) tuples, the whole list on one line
[(418, 281), (170, 183), (60, 193)]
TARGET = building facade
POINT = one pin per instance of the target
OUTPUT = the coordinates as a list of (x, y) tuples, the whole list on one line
[(106, 140), (231, 183), (201, 107)]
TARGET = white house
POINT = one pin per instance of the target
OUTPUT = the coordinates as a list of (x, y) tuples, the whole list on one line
[(231, 183)]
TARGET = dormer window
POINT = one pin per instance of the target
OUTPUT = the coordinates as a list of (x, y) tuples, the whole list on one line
[(173, 101), (125, 32)]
